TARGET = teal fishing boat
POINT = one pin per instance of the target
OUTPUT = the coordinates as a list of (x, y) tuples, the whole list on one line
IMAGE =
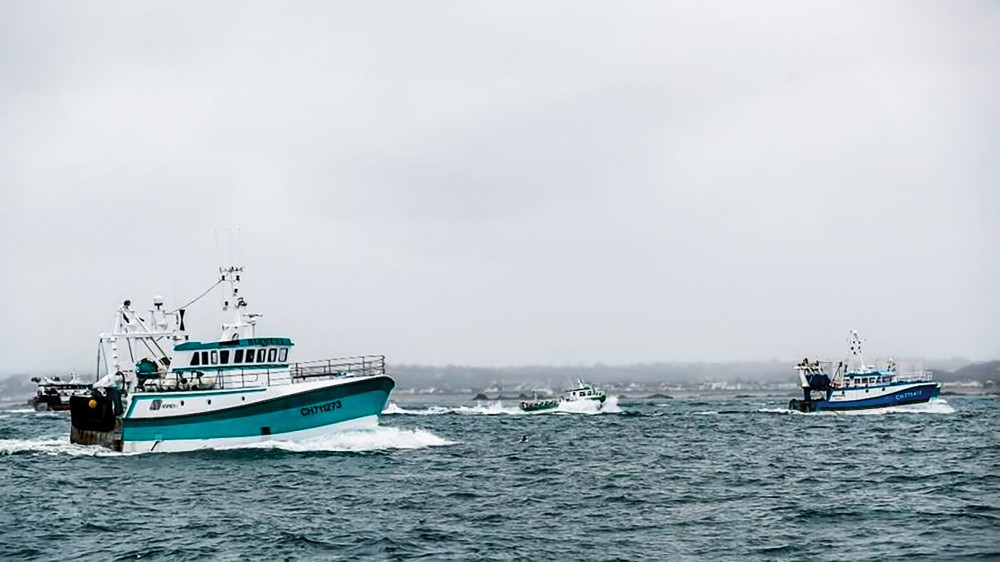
[(162, 391)]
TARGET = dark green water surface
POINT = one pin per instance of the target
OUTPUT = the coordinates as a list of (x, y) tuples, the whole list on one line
[(447, 479)]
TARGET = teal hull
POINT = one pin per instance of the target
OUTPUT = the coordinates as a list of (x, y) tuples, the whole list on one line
[(300, 412)]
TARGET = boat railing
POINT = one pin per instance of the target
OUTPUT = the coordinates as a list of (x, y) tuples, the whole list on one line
[(356, 366), (915, 376), (324, 369)]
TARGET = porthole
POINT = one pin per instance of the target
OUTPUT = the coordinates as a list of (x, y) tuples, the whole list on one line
[(182, 402), (209, 401)]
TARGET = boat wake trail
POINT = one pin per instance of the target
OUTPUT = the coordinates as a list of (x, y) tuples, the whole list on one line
[(785, 411), (487, 409), (51, 446), (394, 409), (356, 441), (938, 406), (498, 408), (21, 411), (589, 407)]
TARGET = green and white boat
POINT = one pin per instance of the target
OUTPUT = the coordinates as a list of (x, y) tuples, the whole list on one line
[(162, 391), (580, 392)]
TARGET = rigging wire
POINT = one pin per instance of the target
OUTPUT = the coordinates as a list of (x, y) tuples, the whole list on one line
[(199, 297)]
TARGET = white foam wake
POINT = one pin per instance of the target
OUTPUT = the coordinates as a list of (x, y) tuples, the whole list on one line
[(356, 441), (359, 440), (498, 408), (936, 406), (590, 407), (51, 446), (776, 411), (487, 409), (395, 409), (611, 406)]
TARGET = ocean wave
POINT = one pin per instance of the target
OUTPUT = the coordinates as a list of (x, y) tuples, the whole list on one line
[(50, 446), (355, 441), (777, 411), (938, 406), (360, 440), (394, 409), (588, 407)]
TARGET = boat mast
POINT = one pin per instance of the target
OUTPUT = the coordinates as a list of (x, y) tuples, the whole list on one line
[(855, 363), (241, 324), (129, 327)]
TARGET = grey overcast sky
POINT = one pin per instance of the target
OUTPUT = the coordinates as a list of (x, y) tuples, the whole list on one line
[(507, 182)]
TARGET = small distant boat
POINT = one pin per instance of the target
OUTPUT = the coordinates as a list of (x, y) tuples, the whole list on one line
[(581, 392), (53, 393), (853, 385)]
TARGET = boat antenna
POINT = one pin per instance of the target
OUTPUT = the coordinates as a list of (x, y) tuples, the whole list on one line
[(856, 351), (97, 368), (218, 253), (230, 232)]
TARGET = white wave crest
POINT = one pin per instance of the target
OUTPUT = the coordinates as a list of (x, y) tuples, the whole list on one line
[(21, 411), (356, 441), (51, 446), (498, 408), (489, 409), (611, 406), (590, 407), (395, 409), (359, 440), (936, 406), (776, 411)]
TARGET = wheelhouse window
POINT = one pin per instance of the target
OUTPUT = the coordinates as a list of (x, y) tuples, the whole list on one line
[(238, 356), (204, 358), (215, 357), (283, 355), (272, 354), (260, 355), (195, 359), (249, 358), (224, 356)]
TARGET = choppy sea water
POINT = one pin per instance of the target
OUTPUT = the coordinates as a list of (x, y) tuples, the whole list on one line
[(445, 478)]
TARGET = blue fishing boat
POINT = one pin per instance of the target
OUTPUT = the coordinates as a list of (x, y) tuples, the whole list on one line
[(852, 385), (162, 391)]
